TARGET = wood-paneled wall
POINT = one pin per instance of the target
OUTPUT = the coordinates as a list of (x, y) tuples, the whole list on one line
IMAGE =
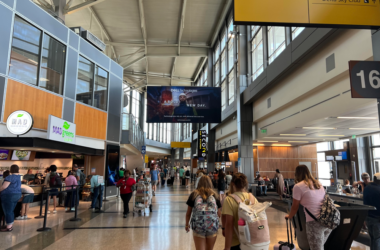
[(40, 104), (286, 159), (90, 122)]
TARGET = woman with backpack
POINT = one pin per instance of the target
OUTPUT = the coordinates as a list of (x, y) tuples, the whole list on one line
[(230, 218), (204, 210), (309, 193), (53, 180)]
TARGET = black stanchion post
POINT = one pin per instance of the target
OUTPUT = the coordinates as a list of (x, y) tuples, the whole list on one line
[(44, 228), (76, 206), (41, 204), (61, 198), (71, 199)]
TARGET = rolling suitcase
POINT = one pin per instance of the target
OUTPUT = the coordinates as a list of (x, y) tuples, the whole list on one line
[(183, 182), (169, 182), (286, 245)]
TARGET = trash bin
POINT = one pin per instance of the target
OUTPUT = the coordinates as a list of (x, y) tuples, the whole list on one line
[(352, 217)]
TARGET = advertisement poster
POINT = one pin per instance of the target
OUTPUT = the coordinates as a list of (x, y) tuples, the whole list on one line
[(176, 104), (4, 154), (19, 155)]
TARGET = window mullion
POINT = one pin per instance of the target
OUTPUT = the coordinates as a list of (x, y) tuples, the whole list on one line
[(40, 58)]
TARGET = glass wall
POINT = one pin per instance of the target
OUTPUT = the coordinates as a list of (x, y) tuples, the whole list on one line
[(36, 58), (276, 42), (224, 95), (324, 167), (375, 143), (257, 52), (231, 88), (296, 31), (101, 88), (135, 105)]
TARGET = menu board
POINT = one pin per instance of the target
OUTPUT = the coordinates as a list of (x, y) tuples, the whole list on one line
[(4, 154), (19, 155)]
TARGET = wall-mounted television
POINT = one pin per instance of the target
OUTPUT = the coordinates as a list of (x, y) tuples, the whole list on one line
[(329, 158), (19, 155), (343, 154), (338, 158)]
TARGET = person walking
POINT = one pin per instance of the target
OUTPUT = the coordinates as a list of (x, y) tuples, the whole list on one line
[(204, 210), (126, 191), (187, 176), (221, 185), (228, 179), (10, 193), (162, 176), (230, 218), (154, 178), (27, 197), (172, 175), (309, 193), (97, 190), (54, 181), (70, 181), (181, 174), (280, 183), (371, 197)]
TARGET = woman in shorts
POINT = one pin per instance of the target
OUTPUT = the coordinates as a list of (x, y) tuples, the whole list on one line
[(205, 206), (26, 199)]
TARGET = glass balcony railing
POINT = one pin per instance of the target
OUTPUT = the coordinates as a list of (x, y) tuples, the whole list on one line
[(136, 134)]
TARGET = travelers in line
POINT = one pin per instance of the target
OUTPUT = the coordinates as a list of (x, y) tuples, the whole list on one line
[(371, 198), (29, 177), (10, 193), (221, 185), (154, 179), (126, 191), (280, 183), (262, 185), (238, 187), (204, 210), (309, 193), (53, 177), (27, 196), (70, 181)]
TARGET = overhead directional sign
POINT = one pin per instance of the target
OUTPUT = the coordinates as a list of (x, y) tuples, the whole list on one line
[(143, 150), (174, 144), (308, 13), (365, 79)]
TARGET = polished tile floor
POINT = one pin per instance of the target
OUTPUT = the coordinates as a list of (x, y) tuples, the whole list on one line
[(162, 229)]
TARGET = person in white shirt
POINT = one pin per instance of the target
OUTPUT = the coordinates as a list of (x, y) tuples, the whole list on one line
[(27, 197)]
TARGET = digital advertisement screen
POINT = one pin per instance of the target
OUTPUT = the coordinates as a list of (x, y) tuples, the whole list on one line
[(177, 104), (19, 155), (4, 154)]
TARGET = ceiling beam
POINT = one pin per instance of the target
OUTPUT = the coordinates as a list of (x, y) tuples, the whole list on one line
[(97, 20), (221, 19), (181, 25), (141, 44), (133, 62), (200, 67), (184, 79), (70, 10), (143, 30), (132, 54), (174, 55)]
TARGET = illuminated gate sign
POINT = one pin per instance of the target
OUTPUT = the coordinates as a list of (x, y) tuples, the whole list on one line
[(202, 135)]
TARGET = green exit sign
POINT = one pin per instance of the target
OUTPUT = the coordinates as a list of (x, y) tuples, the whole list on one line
[(354, 137), (263, 131)]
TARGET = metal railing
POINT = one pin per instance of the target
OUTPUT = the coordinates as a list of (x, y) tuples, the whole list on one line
[(136, 134)]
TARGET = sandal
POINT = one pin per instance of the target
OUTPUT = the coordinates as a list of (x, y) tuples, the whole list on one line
[(6, 229)]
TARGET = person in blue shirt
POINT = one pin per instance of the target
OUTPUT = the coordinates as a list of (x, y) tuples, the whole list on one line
[(166, 171), (371, 196), (154, 178), (10, 193), (97, 190)]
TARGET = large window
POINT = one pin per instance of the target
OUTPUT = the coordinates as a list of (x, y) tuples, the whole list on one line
[(376, 152), (217, 74), (92, 85), (154, 131), (223, 65), (230, 53), (231, 88), (257, 53), (324, 166), (32, 63), (296, 31), (223, 95), (205, 76), (276, 41), (168, 132), (136, 102)]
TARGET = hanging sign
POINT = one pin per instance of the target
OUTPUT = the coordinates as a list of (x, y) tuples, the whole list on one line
[(19, 122), (365, 79), (61, 130), (202, 134)]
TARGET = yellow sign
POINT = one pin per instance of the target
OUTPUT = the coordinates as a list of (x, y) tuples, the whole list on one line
[(146, 159), (180, 144), (323, 13)]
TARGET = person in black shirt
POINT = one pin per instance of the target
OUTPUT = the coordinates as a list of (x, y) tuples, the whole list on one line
[(371, 196), (364, 183)]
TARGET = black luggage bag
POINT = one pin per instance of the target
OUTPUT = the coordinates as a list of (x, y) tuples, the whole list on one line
[(183, 182)]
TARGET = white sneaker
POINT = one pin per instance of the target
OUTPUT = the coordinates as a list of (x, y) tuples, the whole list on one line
[(65, 208), (48, 212), (54, 211), (72, 209), (19, 218), (25, 217)]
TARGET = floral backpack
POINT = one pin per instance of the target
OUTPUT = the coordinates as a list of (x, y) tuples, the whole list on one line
[(204, 218)]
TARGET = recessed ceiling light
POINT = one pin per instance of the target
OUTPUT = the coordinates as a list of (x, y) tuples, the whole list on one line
[(255, 144), (317, 128), (298, 141), (268, 141), (362, 118), (330, 135), (293, 134), (281, 145), (364, 128)]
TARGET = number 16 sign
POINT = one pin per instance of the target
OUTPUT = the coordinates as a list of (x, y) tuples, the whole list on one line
[(365, 79)]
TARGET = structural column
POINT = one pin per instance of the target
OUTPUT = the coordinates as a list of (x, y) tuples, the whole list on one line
[(211, 133), (244, 112)]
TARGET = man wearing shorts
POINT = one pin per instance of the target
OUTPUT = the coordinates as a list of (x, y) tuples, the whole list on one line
[(154, 179), (27, 197)]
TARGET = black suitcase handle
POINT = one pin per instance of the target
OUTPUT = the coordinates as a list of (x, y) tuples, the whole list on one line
[(289, 227)]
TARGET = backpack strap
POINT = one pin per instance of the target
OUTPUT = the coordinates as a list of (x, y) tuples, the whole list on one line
[(236, 198), (252, 198), (311, 215)]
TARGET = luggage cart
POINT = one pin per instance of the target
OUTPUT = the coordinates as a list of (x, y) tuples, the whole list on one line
[(142, 198)]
